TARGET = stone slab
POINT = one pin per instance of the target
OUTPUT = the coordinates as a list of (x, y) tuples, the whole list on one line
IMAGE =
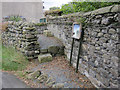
[(47, 33), (45, 58)]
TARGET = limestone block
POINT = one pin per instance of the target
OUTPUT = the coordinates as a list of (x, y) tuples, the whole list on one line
[(30, 40), (45, 58), (29, 71), (61, 51), (29, 28), (30, 57), (47, 33), (37, 52), (43, 50), (100, 34), (53, 49), (116, 8), (35, 74), (58, 85), (30, 52), (28, 36), (97, 48), (102, 10), (85, 57), (24, 32), (85, 47), (42, 78), (105, 21), (17, 29), (112, 31), (50, 84)]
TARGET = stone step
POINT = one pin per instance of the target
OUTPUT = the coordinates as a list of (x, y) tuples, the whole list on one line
[(50, 45), (44, 58), (47, 33)]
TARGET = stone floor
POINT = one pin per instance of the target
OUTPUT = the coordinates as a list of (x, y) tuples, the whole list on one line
[(46, 42), (61, 72), (50, 45)]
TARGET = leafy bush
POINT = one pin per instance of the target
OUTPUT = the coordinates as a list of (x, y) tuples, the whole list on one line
[(67, 8), (54, 8), (84, 6), (53, 12)]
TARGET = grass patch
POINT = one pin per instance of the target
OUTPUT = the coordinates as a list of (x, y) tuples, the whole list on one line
[(12, 60)]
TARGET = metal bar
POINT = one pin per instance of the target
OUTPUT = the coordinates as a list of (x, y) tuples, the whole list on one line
[(78, 56), (79, 51), (71, 51)]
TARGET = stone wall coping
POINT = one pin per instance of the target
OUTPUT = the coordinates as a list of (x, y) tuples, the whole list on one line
[(109, 9)]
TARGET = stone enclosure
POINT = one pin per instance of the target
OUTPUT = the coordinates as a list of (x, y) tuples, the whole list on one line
[(100, 49), (99, 59)]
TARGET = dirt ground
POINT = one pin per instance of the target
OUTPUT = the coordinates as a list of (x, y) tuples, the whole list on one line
[(60, 71)]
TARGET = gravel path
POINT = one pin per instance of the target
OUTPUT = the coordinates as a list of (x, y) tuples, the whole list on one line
[(61, 72)]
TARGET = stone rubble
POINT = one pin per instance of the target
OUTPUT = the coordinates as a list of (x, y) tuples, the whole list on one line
[(44, 78)]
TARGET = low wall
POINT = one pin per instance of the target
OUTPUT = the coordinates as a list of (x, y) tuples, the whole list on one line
[(99, 59), (22, 36), (40, 27)]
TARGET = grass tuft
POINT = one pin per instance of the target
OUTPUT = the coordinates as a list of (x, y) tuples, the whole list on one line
[(13, 60)]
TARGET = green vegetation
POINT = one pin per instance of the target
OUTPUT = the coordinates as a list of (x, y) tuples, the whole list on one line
[(12, 60), (40, 24), (54, 8), (85, 6), (81, 20), (77, 6), (57, 12), (67, 8), (15, 18)]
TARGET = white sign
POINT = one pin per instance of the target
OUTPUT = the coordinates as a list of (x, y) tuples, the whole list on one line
[(76, 30)]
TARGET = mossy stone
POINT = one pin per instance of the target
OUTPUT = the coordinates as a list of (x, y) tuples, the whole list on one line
[(53, 49), (30, 28), (35, 74), (45, 58), (47, 33)]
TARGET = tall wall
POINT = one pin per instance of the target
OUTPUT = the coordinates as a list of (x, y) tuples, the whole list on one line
[(32, 11), (99, 60)]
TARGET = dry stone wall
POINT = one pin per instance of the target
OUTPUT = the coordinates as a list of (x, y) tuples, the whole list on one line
[(40, 28), (22, 36), (99, 60)]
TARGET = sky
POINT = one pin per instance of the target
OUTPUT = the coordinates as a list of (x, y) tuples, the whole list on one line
[(51, 3)]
